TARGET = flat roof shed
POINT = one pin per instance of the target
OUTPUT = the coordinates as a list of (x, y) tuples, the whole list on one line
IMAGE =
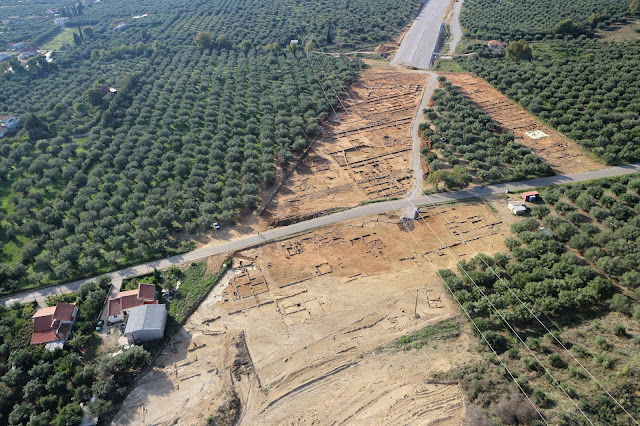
[(530, 196), (146, 323)]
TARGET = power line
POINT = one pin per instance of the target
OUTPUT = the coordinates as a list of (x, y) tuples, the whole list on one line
[(477, 287), (344, 89)]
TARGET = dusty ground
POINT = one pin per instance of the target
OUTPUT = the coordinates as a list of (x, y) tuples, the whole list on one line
[(363, 154), (300, 331), (619, 32), (563, 155)]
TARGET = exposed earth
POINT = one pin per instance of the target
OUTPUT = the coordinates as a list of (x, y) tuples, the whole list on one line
[(362, 154), (301, 330)]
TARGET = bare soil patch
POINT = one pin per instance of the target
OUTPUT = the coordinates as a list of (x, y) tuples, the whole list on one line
[(363, 154), (562, 154), (301, 331), (621, 32)]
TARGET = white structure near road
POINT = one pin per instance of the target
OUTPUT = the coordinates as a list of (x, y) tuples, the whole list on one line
[(517, 207), (146, 323)]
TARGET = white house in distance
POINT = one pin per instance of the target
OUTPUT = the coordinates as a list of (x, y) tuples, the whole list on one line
[(146, 323), (7, 123), (52, 325), (61, 21), (126, 300)]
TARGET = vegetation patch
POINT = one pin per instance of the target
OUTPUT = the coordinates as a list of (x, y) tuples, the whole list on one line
[(539, 20), (582, 283), (586, 89), (461, 136), (442, 330)]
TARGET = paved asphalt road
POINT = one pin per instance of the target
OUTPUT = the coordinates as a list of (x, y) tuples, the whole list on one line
[(420, 41), (360, 211)]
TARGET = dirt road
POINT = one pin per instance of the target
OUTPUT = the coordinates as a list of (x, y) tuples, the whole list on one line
[(360, 211), (454, 27), (420, 41), (416, 160)]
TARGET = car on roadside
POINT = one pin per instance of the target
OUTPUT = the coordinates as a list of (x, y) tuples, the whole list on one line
[(216, 226), (99, 325)]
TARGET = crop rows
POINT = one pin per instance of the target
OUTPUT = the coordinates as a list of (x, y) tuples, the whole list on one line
[(461, 132), (536, 20), (588, 90)]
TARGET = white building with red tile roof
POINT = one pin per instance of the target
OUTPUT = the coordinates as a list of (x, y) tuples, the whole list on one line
[(52, 325), (125, 300)]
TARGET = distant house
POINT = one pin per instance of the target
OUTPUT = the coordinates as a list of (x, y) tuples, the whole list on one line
[(146, 323), (120, 26), (61, 21), (28, 52), (4, 56), (517, 207), (15, 46), (495, 45), (530, 196), (103, 89), (52, 325), (126, 300), (7, 123)]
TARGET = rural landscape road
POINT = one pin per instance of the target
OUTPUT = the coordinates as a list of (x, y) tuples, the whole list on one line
[(353, 213), (420, 41), (416, 158), (454, 27)]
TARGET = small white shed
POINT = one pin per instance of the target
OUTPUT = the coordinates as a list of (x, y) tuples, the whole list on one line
[(517, 207), (146, 323)]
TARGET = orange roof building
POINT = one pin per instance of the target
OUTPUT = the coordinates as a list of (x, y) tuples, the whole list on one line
[(52, 325), (125, 300)]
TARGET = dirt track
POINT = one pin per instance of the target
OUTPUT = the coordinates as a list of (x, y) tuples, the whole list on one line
[(363, 153), (301, 330), (562, 154)]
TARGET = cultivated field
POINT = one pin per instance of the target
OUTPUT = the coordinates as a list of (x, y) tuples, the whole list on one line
[(302, 331), (363, 154), (562, 154)]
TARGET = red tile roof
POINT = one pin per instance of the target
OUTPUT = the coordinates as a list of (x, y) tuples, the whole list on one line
[(42, 323), (47, 320), (131, 298), (146, 291), (4, 117), (64, 312), (29, 49), (46, 336)]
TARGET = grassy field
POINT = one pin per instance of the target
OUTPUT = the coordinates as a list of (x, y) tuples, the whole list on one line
[(56, 43)]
